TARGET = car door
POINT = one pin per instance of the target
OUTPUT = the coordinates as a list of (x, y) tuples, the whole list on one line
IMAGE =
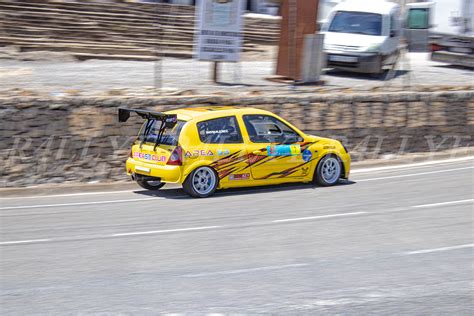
[(221, 143), (274, 148), (393, 40)]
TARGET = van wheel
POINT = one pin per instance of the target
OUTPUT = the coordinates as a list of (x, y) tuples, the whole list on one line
[(380, 74), (153, 185), (328, 172), (201, 183)]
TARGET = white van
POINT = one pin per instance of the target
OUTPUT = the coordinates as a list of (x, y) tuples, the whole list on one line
[(362, 35)]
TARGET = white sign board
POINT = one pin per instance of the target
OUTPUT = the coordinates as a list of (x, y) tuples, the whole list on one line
[(220, 30)]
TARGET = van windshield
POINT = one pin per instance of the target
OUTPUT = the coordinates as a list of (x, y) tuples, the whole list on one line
[(170, 135), (356, 23)]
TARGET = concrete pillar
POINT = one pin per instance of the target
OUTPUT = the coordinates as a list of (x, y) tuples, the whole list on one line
[(313, 58)]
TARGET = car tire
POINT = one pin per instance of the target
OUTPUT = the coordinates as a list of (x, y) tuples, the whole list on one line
[(152, 185), (328, 172), (201, 183)]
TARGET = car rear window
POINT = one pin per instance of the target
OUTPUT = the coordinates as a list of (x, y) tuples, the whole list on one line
[(169, 137), (418, 18), (224, 130)]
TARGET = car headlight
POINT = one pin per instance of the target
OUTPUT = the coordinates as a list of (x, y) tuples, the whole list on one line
[(373, 48)]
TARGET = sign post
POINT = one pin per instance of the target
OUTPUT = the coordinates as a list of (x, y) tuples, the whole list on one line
[(298, 19), (220, 32)]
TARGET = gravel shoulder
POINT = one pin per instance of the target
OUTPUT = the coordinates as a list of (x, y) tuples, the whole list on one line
[(185, 76)]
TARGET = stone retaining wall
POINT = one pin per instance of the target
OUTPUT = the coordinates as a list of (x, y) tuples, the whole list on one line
[(79, 139)]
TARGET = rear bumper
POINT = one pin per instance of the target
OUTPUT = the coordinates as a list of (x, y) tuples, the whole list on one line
[(465, 60), (367, 63), (168, 174)]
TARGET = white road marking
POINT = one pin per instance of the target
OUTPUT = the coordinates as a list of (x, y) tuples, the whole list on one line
[(438, 249), (413, 174), (216, 227), (317, 217), (78, 204), (418, 164), (153, 232), (66, 195), (75, 238), (239, 271), (24, 241), (4, 291), (444, 203)]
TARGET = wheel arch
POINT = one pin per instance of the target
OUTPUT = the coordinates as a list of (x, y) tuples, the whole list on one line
[(327, 154), (189, 187), (188, 169)]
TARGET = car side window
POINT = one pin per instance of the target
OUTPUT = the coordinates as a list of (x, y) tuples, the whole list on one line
[(224, 130), (268, 129)]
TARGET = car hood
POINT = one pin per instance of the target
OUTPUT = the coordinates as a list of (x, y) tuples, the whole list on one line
[(323, 140)]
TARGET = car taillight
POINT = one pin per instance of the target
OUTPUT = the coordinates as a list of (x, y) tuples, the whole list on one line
[(176, 158), (436, 47)]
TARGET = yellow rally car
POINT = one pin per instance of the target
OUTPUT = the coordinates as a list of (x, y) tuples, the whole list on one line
[(209, 148)]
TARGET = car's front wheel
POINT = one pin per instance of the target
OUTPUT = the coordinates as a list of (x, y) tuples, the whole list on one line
[(150, 184), (201, 183), (329, 171)]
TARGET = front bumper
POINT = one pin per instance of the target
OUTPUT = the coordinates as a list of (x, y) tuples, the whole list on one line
[(346, 161), (364, 63), (167, 174)]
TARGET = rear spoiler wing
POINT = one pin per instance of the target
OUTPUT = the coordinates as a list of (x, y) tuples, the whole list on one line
[(170, 120)]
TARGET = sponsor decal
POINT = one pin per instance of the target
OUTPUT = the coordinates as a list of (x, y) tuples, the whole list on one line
[(305, 170), (149, 157), (307, 155), (197, 153), (220, 131), (242, 176), (284, 150), (223, 152), (188, 154)]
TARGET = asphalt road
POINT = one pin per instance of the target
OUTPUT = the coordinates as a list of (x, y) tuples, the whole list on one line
[(391, 241), (96, 76)]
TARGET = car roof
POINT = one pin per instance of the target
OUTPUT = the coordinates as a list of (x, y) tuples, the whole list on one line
[(209, 112), (369, 6)]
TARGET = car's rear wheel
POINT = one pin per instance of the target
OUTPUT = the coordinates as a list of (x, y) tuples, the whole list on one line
[(150, 184), (329, 171), (201, 183)]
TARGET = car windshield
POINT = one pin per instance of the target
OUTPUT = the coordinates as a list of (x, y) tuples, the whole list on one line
[(356, 23), (169, 137)]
